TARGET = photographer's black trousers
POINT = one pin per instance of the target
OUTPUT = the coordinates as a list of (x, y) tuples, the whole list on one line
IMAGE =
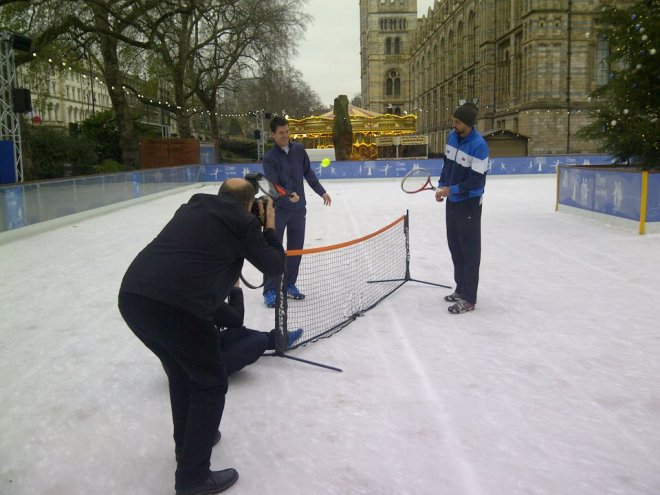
[(463, 220), (242, 346), (189, 349)]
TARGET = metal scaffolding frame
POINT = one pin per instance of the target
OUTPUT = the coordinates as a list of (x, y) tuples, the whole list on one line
[(10, 128)]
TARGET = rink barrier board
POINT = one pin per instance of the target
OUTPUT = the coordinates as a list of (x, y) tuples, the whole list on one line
[(26, 204), (629, 197)]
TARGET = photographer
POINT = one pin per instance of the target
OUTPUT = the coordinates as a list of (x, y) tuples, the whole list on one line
[(168, 298)]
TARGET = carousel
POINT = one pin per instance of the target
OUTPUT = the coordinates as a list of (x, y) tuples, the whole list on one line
[(368, 127)]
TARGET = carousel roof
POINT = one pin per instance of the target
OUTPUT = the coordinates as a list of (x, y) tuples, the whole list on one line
[(353, 111)]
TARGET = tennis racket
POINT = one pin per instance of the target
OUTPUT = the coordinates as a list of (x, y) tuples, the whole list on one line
[(264, 185), (418, 179)]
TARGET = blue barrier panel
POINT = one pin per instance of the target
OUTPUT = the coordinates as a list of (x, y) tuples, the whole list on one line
[(14, 206), (337, 170), (136, 179), (206, 154), (523, 165), (220, 172), (653, 200), (52, 199), (379, 169), (618, 194), (610, 192), (7, 165)]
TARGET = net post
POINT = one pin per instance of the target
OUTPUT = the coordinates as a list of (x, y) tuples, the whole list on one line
[(408, 278), (406, 231), (280, 316)]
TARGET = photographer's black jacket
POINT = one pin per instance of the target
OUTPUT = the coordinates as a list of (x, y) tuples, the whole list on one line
[(197, 257)]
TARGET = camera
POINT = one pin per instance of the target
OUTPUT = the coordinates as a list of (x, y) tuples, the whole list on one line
[(259, 208), (259, 204), (253, 178)]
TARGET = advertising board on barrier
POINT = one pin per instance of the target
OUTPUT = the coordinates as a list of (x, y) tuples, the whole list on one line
[(14, 207), (398, 167), (624, 193), (610, 193), (23, 205)]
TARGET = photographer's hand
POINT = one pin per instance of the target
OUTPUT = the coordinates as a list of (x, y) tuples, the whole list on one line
[(270, 215)]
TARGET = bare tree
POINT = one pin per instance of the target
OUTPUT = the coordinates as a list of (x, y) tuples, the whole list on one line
[(194, 45)]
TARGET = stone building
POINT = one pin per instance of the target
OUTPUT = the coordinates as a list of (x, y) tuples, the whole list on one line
[(64, 96), (531, 63)]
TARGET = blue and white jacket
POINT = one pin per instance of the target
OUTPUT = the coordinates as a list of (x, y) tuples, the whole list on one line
[(465, 167), (288, 170)]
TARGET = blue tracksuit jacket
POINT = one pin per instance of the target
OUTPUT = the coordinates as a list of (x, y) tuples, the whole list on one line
[(288, 171), (465, 167)]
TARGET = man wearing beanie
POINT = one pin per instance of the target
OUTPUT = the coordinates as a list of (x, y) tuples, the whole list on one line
[(462, 182)]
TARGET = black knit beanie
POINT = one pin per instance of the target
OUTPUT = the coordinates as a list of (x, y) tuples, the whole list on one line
[(467, 113)]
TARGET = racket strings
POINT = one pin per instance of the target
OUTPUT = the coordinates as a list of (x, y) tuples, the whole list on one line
[(415, 180), (268, 188)]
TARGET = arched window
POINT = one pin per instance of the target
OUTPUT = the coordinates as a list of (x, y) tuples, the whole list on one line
[(472, 38), (461, 44), (397, 45), (602, 60), (393, 83), (388, 45), (450, 59), (443, 65)]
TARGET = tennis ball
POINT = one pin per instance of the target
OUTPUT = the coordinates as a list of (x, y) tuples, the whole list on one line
[(325, 162)]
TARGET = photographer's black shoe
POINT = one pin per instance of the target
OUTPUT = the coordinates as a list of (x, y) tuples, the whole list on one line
[(215, 482)]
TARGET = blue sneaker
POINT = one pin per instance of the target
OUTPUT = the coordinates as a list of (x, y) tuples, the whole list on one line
[(293, 292), (270, 298), (292, 337)]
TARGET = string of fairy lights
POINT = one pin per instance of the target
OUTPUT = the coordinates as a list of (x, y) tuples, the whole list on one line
[(147, 99), (250, 113)]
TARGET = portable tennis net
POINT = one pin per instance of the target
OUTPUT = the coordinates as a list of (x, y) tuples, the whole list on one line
[(342, 281)]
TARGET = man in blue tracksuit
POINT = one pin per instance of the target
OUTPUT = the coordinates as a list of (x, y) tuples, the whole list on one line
[(462, 182), (287, 164)]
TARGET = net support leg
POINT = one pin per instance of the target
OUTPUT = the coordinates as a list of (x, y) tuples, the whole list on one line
[(408, 280), (320, 365)]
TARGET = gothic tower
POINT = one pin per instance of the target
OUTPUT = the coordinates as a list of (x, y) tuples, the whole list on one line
[(386, 31)]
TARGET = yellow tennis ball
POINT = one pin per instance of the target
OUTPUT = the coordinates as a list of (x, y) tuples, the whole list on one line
[(325, 162)]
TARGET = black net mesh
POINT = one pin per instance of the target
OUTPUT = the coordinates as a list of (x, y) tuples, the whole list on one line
[(341, 282)]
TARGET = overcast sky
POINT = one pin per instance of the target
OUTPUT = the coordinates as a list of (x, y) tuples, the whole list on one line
[(329, 54)]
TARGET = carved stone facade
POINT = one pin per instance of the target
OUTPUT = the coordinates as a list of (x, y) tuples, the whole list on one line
[(386, 31), (531, 64)]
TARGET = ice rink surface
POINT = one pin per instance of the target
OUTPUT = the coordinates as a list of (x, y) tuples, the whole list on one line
[(549, 388)]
